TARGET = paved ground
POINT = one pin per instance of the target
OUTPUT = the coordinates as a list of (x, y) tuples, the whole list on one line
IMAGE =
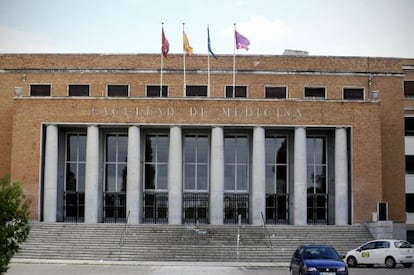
[(171, 268)]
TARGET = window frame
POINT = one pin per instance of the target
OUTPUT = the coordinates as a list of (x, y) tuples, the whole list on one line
[(163, 93), (314, 89), (118, 86), (266, 95), (79, 85), (201, 93), (40, 85), (345, 89), (410, 94), (229, 89)]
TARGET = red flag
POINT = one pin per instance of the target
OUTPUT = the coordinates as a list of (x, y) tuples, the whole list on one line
[(165, 45)]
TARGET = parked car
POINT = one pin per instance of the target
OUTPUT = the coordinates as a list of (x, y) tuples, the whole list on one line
[(317, 259), (380, 252)]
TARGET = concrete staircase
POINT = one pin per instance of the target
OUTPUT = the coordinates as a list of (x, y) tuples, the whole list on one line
[(208, 243)]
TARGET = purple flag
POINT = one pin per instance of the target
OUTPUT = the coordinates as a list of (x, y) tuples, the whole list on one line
[(241, 41)]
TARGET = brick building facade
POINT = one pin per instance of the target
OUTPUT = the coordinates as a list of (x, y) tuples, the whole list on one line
[(299, 140)]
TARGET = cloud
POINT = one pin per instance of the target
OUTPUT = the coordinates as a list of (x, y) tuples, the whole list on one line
[(16, 41)]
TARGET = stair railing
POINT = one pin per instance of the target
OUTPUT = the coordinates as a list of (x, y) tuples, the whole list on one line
[(124, 231), (267, 237)]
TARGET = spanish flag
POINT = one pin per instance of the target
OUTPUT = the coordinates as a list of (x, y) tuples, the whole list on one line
[(186, 45)]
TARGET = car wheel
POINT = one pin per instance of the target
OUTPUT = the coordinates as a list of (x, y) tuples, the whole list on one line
[(408, 265), (389, 262), (351, 261)]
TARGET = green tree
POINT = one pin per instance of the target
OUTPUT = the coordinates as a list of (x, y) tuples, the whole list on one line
[(14, 227)]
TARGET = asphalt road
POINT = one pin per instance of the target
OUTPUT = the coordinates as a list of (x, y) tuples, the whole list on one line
[(174, 269)]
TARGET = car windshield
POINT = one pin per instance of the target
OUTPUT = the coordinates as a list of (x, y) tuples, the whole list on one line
[(312, 253)]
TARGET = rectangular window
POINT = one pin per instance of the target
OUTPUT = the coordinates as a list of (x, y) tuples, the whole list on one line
[(196, 90), (118, 90), (315, 93), (156, 162), (39, 90), (236, 163), (196, 163), (154, 91), (78, 90), (275, 92), (409, 89), (239, 91), (409, 126), (276, 164), (409, 165), (409, 203), (353, 94)]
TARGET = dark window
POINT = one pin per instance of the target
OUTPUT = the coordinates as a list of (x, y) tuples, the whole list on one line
[(239, 91), (409, 89), (409, 164), (78, 90), (409, 126), (118, 90), (314, 93), (409, 203), (353, 93), (154, 91), (275, 92), (196, 91), (40, 90)]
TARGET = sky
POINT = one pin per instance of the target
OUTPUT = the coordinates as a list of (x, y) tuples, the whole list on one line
[(377, 28)]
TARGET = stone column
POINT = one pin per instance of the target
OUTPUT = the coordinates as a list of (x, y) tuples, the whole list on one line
[(216, 206), (134, 186), (258, 186), (175, 177), (92, 194), (51, 170), (341, 177), (300, 174)]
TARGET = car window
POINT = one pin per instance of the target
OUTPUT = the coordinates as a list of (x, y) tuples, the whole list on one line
[(319, 253), (402, 244), (382, 244), (367, 246)]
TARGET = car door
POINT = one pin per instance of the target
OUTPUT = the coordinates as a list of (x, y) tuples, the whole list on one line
[(365, 254), (295, 263), (381, 251)]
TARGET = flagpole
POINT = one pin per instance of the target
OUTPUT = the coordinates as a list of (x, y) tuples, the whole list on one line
[(162, 61), (234, 62), (184, 53), (208, 63)]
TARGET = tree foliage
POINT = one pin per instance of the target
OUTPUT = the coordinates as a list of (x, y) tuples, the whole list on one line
[(14, 227)]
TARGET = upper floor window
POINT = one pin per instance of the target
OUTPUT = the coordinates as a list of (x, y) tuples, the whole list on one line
[(409, 89), (155, 91), (118, 90), (315, 93), (409, 126), (275, 92), (196, 90), (39, 90), (78, 90), (353, 93), (238, 91)]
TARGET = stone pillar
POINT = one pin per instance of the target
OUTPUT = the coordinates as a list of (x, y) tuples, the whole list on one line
[(175, 176), (92, 194), (217, 176), (134, 186), (300, 174), (51, 177), (341, 177), (258, 186)]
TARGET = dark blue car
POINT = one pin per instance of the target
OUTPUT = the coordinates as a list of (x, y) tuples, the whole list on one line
[(317, 260)]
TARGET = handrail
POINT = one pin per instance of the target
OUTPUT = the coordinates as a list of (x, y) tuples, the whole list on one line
[(267, 236), (124, 230)]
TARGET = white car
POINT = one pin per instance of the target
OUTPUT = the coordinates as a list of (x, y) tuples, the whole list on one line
[(380, 252)]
